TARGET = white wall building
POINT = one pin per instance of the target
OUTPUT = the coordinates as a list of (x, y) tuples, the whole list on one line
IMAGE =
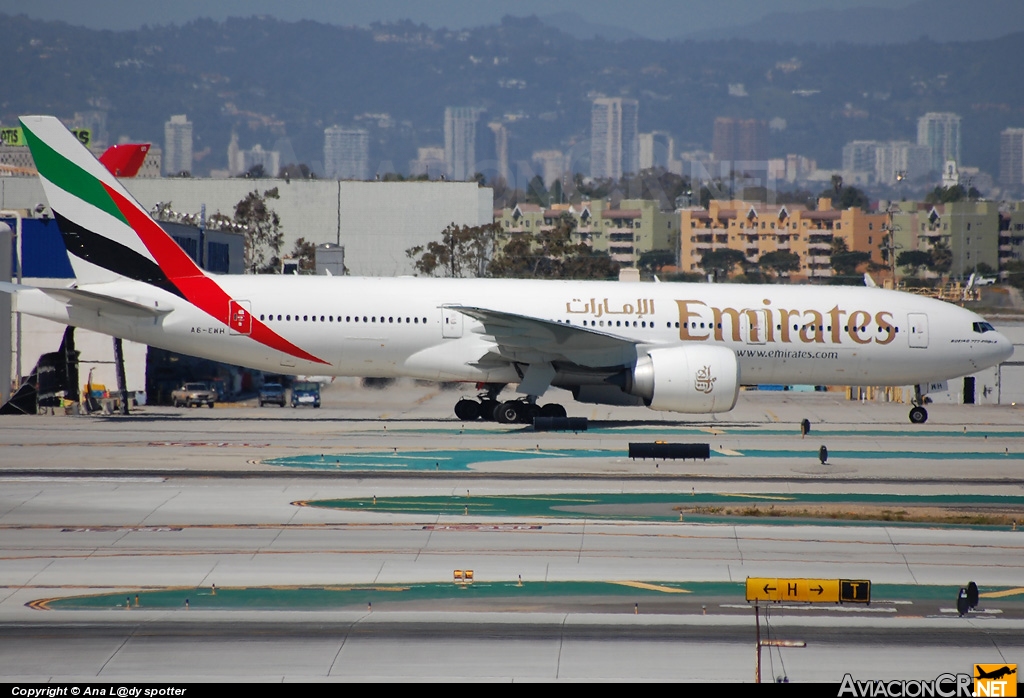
[(375, 221)]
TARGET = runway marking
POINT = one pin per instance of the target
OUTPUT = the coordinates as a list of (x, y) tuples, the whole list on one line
[(727, 451), (824, 607), (1001, 594), (771, 415), (741, 495), (652, 587)]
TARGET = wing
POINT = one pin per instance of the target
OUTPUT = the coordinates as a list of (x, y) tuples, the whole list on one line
[(523, 339)]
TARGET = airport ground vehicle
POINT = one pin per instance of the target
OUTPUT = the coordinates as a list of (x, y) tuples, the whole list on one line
[(673, 347), (272, 394), (305, 393), (193, 395)]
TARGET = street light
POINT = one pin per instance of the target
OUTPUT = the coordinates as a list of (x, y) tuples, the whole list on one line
[(890, 229)]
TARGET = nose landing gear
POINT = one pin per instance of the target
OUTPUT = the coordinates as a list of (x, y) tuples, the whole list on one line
[(918, 414)]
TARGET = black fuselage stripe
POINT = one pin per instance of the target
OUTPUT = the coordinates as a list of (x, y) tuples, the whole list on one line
[(113, 256)]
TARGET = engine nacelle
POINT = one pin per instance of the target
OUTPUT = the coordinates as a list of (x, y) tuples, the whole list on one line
[(692, 379)]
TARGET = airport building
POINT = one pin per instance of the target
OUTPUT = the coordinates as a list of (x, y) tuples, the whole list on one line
[(375, 221)]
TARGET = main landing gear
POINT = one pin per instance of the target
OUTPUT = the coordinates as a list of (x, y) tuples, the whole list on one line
[(488, 408), (918, 414)]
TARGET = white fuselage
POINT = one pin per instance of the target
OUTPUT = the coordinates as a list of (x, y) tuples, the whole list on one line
[(390, 327)]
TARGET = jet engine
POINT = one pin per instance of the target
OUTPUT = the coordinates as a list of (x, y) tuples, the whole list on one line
[(691, 379)]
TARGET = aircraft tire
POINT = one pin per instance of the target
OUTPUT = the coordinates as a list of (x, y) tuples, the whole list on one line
[(527, 412), (553, 409), (508, 412), (467, 410), (487, 409), (918, 415)]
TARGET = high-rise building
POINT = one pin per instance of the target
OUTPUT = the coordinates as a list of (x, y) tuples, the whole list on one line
[(242, 161), (429, 161), (460, 142), (899, 160), (940, 131), (177, 145), (860, 156), (551, 164), (740, 139), (614, 143), (1011, 157), (346, 153), (500, 132), (656, 149)]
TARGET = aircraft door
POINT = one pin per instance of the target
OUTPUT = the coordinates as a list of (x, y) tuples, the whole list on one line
[(918, 330), (755, 326), (240, 317), (451, 323)]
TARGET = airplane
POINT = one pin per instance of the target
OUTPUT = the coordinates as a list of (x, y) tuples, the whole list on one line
[(676, 347), (995, 673)]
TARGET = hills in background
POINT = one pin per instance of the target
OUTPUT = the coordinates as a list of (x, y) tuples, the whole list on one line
[(938, 20), (266, 79)]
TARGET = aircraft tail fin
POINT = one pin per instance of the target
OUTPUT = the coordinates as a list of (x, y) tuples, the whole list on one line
[(108, 235), (125, 159)]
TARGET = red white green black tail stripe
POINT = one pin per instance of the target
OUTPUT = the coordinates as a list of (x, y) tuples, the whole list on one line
[(110, 236)]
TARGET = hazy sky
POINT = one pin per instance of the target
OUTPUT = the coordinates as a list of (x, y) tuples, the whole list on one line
[(658, 19)]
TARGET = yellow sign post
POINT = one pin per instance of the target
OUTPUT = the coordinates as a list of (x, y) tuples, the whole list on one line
[(808, 590)]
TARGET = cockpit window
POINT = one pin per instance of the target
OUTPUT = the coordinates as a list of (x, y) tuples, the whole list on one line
[(983, 327)]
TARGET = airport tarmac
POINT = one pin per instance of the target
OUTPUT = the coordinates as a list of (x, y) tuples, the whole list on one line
[(171, 502)]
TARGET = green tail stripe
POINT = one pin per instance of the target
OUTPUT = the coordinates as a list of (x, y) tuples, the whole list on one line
[(70, 177)]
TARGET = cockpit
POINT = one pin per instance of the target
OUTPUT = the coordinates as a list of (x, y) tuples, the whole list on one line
[(983, 327)]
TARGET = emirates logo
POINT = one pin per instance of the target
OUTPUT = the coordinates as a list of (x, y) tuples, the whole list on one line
[(705, 382)]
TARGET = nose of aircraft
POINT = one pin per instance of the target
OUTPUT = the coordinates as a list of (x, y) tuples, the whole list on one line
[(1003, 349)]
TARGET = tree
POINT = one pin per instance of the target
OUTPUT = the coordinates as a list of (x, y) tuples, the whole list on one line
[(941, 258), (720, 262), (913, 260), (653, 260), (949, 195), (257, 171), (551, 254), (846, 197), (263, 235), (844, 262), (462, 251), (536, 192), (782, 262), (304, 253)]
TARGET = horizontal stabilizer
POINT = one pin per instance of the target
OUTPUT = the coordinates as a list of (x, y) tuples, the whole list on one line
[(100, 303)]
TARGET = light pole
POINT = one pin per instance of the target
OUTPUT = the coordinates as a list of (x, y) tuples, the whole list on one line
[(890, 240)]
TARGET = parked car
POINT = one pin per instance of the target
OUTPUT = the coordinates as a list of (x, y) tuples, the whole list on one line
[(193, 395), (272, 394), (306, 393)]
